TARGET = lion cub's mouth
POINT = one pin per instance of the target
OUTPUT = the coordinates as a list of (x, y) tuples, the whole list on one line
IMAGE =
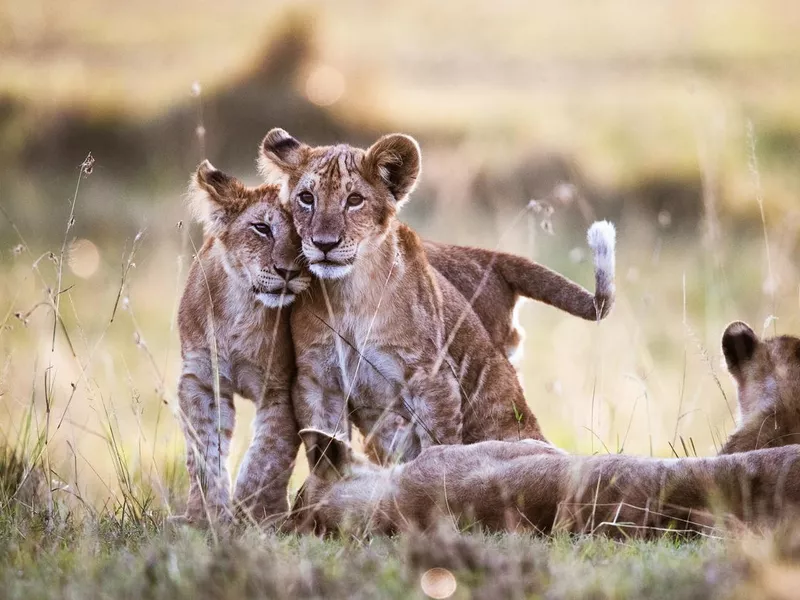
[(332, 269), (274, 298), (328, 269)]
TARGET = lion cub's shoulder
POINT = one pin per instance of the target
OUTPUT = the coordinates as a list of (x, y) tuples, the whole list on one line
[(205, 282)]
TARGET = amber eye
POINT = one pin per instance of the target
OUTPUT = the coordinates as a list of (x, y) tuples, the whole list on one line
[(261, 229), (354, 200), (306, 198)]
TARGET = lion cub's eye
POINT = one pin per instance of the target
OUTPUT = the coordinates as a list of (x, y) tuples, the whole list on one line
[(355, 200), (261, 229), (306, 199)]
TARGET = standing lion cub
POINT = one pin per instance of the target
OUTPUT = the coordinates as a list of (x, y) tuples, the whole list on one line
[(235, 339), (384, 338)]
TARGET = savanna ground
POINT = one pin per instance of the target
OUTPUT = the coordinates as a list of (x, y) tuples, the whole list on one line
[(680, 121)]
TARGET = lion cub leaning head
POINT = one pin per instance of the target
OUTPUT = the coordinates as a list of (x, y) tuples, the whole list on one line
[(343, 199), (260, 244), (767, 376)]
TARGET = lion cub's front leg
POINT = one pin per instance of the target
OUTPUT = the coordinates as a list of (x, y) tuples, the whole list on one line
[(436, 400), (264, 475), (207, 418), (317, 395)]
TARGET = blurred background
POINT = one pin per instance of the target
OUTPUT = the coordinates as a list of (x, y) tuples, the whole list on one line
[(678, 120)]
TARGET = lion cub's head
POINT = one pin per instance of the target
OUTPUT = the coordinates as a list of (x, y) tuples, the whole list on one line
[(767, 376), (343, 199), (260, 246)]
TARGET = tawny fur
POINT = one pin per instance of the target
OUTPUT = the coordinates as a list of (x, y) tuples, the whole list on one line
[(494, 282), (767, 377), (235, 339), (423, 356), (511, 486)]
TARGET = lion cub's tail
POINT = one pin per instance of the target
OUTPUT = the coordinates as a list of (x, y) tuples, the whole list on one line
[(537, 282), (602, 239)]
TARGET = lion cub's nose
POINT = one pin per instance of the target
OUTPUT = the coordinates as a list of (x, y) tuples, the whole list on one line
[(287, 274), (327, 246)]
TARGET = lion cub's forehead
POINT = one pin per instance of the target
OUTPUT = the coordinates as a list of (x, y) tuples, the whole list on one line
[(332, 169), (785, 349), (263, 203)]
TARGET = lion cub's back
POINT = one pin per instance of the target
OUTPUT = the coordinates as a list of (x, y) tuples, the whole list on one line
[(472, 273)]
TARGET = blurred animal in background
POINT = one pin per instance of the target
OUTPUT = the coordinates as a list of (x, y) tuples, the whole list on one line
[(135, 149), (767, 377)]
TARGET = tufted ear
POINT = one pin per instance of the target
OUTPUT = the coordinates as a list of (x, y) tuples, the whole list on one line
[(328, 456), (396, 160), (213, 196), (278, 154), (739, 343)]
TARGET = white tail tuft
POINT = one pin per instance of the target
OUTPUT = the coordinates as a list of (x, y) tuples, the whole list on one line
[(602, 239)]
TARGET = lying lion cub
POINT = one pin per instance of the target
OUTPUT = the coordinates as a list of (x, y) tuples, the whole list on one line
[(235, 339), (524, 485), (385, 338)]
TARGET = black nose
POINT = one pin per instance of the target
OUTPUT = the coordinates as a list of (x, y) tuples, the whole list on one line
[(287, 274), (327, 246)]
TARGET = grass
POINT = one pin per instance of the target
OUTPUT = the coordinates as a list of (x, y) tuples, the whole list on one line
[(100, 556)]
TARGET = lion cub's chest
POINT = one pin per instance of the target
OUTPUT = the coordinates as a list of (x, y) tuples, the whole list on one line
[(379, 362), (256, 347)]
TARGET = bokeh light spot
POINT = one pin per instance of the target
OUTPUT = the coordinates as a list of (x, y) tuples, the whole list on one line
[(84, 258), (438, 583), (325, 85)]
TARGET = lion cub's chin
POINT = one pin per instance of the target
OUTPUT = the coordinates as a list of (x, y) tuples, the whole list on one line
[(330, 270), (276, 300)]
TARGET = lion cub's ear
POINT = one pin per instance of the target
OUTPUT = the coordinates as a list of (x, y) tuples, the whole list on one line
[(278, 154), (396, 160), (739, 343), (328, 456), (213, 197)]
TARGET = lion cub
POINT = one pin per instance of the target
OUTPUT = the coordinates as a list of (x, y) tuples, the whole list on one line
[(767, 376), (235, 339), (509, 486), (383, 333)]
